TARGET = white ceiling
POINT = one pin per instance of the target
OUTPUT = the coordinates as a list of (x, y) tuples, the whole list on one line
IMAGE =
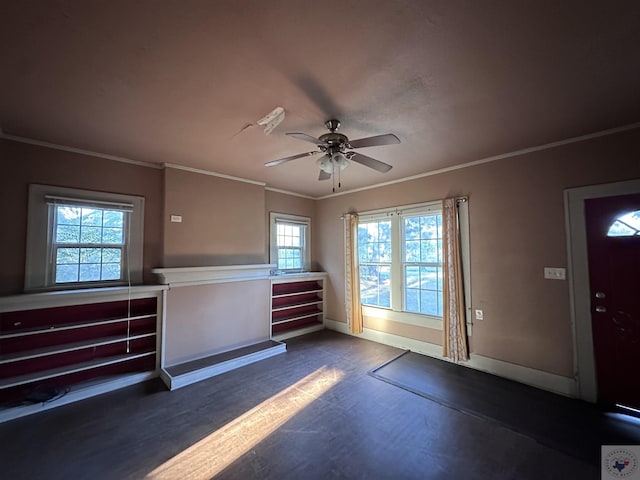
[(175, 81)]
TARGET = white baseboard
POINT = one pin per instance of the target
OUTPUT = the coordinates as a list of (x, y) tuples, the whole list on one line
[(179, 381), (78, 392), (529, 376)]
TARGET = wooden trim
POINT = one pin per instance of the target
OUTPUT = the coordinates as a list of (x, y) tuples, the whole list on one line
[(63, 298), (529, 376), (578, 270), (189, 276)]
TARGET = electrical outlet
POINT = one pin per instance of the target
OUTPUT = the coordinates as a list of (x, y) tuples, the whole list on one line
[(176, 218), (479, 315), (555, 273)]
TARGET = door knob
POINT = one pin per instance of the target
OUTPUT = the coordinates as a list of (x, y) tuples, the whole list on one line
[(601, 309), (600, 295)]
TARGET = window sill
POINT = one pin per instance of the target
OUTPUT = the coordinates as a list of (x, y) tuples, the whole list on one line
[(402, 317)]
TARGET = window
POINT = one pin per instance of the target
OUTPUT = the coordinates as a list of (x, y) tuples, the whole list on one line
[(402, 249), (79, 238), (626, 225), (401, 264), (422, 263), (290, 242), (374, 255), (88, 243)]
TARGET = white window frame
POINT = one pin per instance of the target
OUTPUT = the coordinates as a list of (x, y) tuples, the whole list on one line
[(40, 223), (274, 219), (396, 312)]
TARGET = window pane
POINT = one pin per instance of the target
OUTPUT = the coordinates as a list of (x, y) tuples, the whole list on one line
[(429, 304), (91, 235), (111, 271), (66, 256), (375, 285), (68, 215), (412, 228), (113, 219), (112, 235), (412, 300), (89, 272), (626, 225), (66, 273), (429, 251), (412, 251), (92, 217), (110, 255), (67, 234), (429, 278), (423, 245), (90, 255), (289, 258), (429, 226), (374, 241)]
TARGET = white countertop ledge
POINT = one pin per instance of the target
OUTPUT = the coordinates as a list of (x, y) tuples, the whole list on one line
[(61, 298), (188, 276)]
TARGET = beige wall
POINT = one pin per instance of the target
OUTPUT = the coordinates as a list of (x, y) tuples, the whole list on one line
[(222, 221), (207, 319), (517, 227), (22, 164)]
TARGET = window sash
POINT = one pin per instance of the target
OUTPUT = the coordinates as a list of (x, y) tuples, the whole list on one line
[(399, 264), (54, 245), (301, 247)]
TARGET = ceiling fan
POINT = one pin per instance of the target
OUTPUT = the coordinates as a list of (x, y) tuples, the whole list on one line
[(336, 151)]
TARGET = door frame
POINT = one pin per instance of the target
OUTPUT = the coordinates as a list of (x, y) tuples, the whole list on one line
[(579, 291)]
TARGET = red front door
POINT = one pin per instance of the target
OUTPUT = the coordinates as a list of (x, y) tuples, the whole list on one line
[(613, 240)]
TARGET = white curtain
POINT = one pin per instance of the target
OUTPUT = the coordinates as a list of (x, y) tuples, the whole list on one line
[(454, 325), (352, 274)]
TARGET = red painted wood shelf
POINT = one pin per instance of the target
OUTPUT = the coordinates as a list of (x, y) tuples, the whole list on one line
[(76, 343), (297, 304)]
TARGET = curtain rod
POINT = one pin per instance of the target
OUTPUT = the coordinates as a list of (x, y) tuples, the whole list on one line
[(463, 199)]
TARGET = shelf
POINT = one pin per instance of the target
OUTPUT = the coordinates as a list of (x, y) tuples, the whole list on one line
[(297, 316), (66, 370), (72, 326), (296, 305), (69, 347), (291, 294)]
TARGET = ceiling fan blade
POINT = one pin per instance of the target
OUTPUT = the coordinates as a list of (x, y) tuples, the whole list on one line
[(273, 163), (369, 162), (324, 175), (306, 138), (387, 139)]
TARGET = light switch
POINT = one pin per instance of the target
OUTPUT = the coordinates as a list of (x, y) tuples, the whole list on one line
[(176, 218), (555, 273), (479, 315)]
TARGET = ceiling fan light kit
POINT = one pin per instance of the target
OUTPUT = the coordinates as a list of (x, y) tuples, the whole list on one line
[(336, 149)]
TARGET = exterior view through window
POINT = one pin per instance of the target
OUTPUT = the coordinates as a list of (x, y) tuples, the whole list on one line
[(88, 244), (290, 240), (626, 225), (404, 251)]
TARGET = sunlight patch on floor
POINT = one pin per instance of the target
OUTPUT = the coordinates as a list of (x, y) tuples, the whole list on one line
[(217, 451)]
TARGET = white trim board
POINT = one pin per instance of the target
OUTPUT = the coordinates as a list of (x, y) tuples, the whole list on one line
[(515, 153), (188, 276), (188, 378), (212, 174), (580, 296), (81, 151), (78, 392), (502, 156), (529, 376)]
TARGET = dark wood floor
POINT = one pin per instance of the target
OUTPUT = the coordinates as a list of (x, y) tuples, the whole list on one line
[(311, 413)]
